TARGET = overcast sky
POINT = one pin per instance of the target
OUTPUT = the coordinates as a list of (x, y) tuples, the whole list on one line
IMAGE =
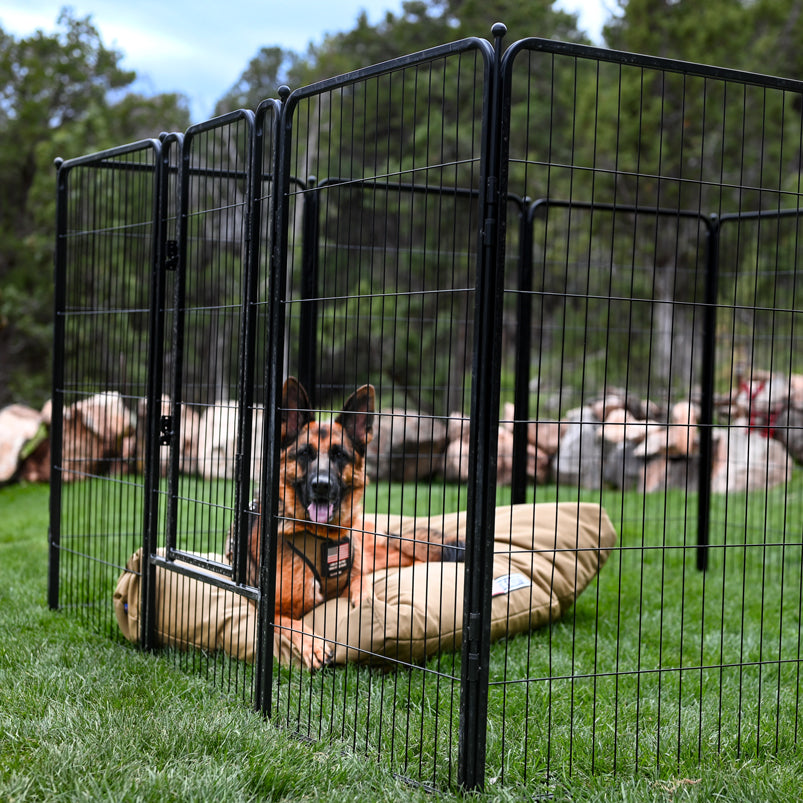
[(200, 48)]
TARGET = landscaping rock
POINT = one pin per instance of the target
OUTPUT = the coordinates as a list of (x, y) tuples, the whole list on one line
[(788, 428), (406, 446), (796, 391), (217, 440), (455, 467), (19, 426), (747, 461), (95, 429), (216, 449), (544, 436), (621, 425), (537, 466), (622, 469), (579, 460), (627, 470), (683, 437)]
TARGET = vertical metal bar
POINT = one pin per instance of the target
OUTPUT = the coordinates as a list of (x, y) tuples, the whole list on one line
[(707, 392), (481, 497), (147, 638), (179, 301), (521, 392), (263, 696), (56, 430), (245, 379), (308, 323)]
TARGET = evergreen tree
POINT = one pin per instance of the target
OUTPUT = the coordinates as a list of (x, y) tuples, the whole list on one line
[(60, 95)]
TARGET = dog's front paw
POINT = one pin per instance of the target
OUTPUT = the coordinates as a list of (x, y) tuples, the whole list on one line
[(316, 653)]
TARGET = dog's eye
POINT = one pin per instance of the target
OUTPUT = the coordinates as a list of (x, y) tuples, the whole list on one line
[(338, 454), (305, 454)]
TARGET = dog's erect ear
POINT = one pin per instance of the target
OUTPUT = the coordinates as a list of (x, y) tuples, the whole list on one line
[(357, 417), (296, 413)]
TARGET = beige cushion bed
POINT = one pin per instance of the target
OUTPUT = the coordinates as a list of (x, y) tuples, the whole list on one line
[(544, 556)]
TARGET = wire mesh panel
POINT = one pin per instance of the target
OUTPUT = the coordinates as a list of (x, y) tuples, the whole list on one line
[(209, 332), (654, 308), (211, 424), (384, 298), (106, 254), (757, 507)]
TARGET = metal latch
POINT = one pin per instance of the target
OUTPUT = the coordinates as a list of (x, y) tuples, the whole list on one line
[(171, 255), (165, 430)]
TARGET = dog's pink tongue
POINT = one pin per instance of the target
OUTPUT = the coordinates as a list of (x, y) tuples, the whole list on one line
[(320, 512)]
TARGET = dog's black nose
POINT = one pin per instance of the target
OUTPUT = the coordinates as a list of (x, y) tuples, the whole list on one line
[(320, 486)]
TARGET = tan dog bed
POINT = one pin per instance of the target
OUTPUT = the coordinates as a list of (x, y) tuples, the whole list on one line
[(544, 556)]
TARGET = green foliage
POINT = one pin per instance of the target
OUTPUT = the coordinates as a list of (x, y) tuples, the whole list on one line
[(422, 24), (266, 72), (47, 84), (712, 31), (60, 95), (580, 131)]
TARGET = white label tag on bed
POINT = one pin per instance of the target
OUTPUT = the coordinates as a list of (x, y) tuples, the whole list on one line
[(508, 583)]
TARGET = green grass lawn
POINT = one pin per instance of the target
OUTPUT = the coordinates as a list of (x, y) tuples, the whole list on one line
[(661, 683)]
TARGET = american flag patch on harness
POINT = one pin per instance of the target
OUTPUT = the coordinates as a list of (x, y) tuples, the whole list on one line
[(336, 557)]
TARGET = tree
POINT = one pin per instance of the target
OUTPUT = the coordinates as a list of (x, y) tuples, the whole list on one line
[(422, 24), (268, 70), (60, 95), (691, 143), (415, 126)]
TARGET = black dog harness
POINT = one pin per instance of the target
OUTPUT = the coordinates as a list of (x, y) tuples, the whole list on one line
[(329, 559)]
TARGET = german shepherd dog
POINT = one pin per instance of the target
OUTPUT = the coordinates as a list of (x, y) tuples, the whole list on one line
[(325, 549)]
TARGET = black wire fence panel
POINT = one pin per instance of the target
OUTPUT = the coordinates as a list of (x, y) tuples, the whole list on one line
[(209, 320), (385, 294), (107, 254), (569, 276), (661, 331)]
